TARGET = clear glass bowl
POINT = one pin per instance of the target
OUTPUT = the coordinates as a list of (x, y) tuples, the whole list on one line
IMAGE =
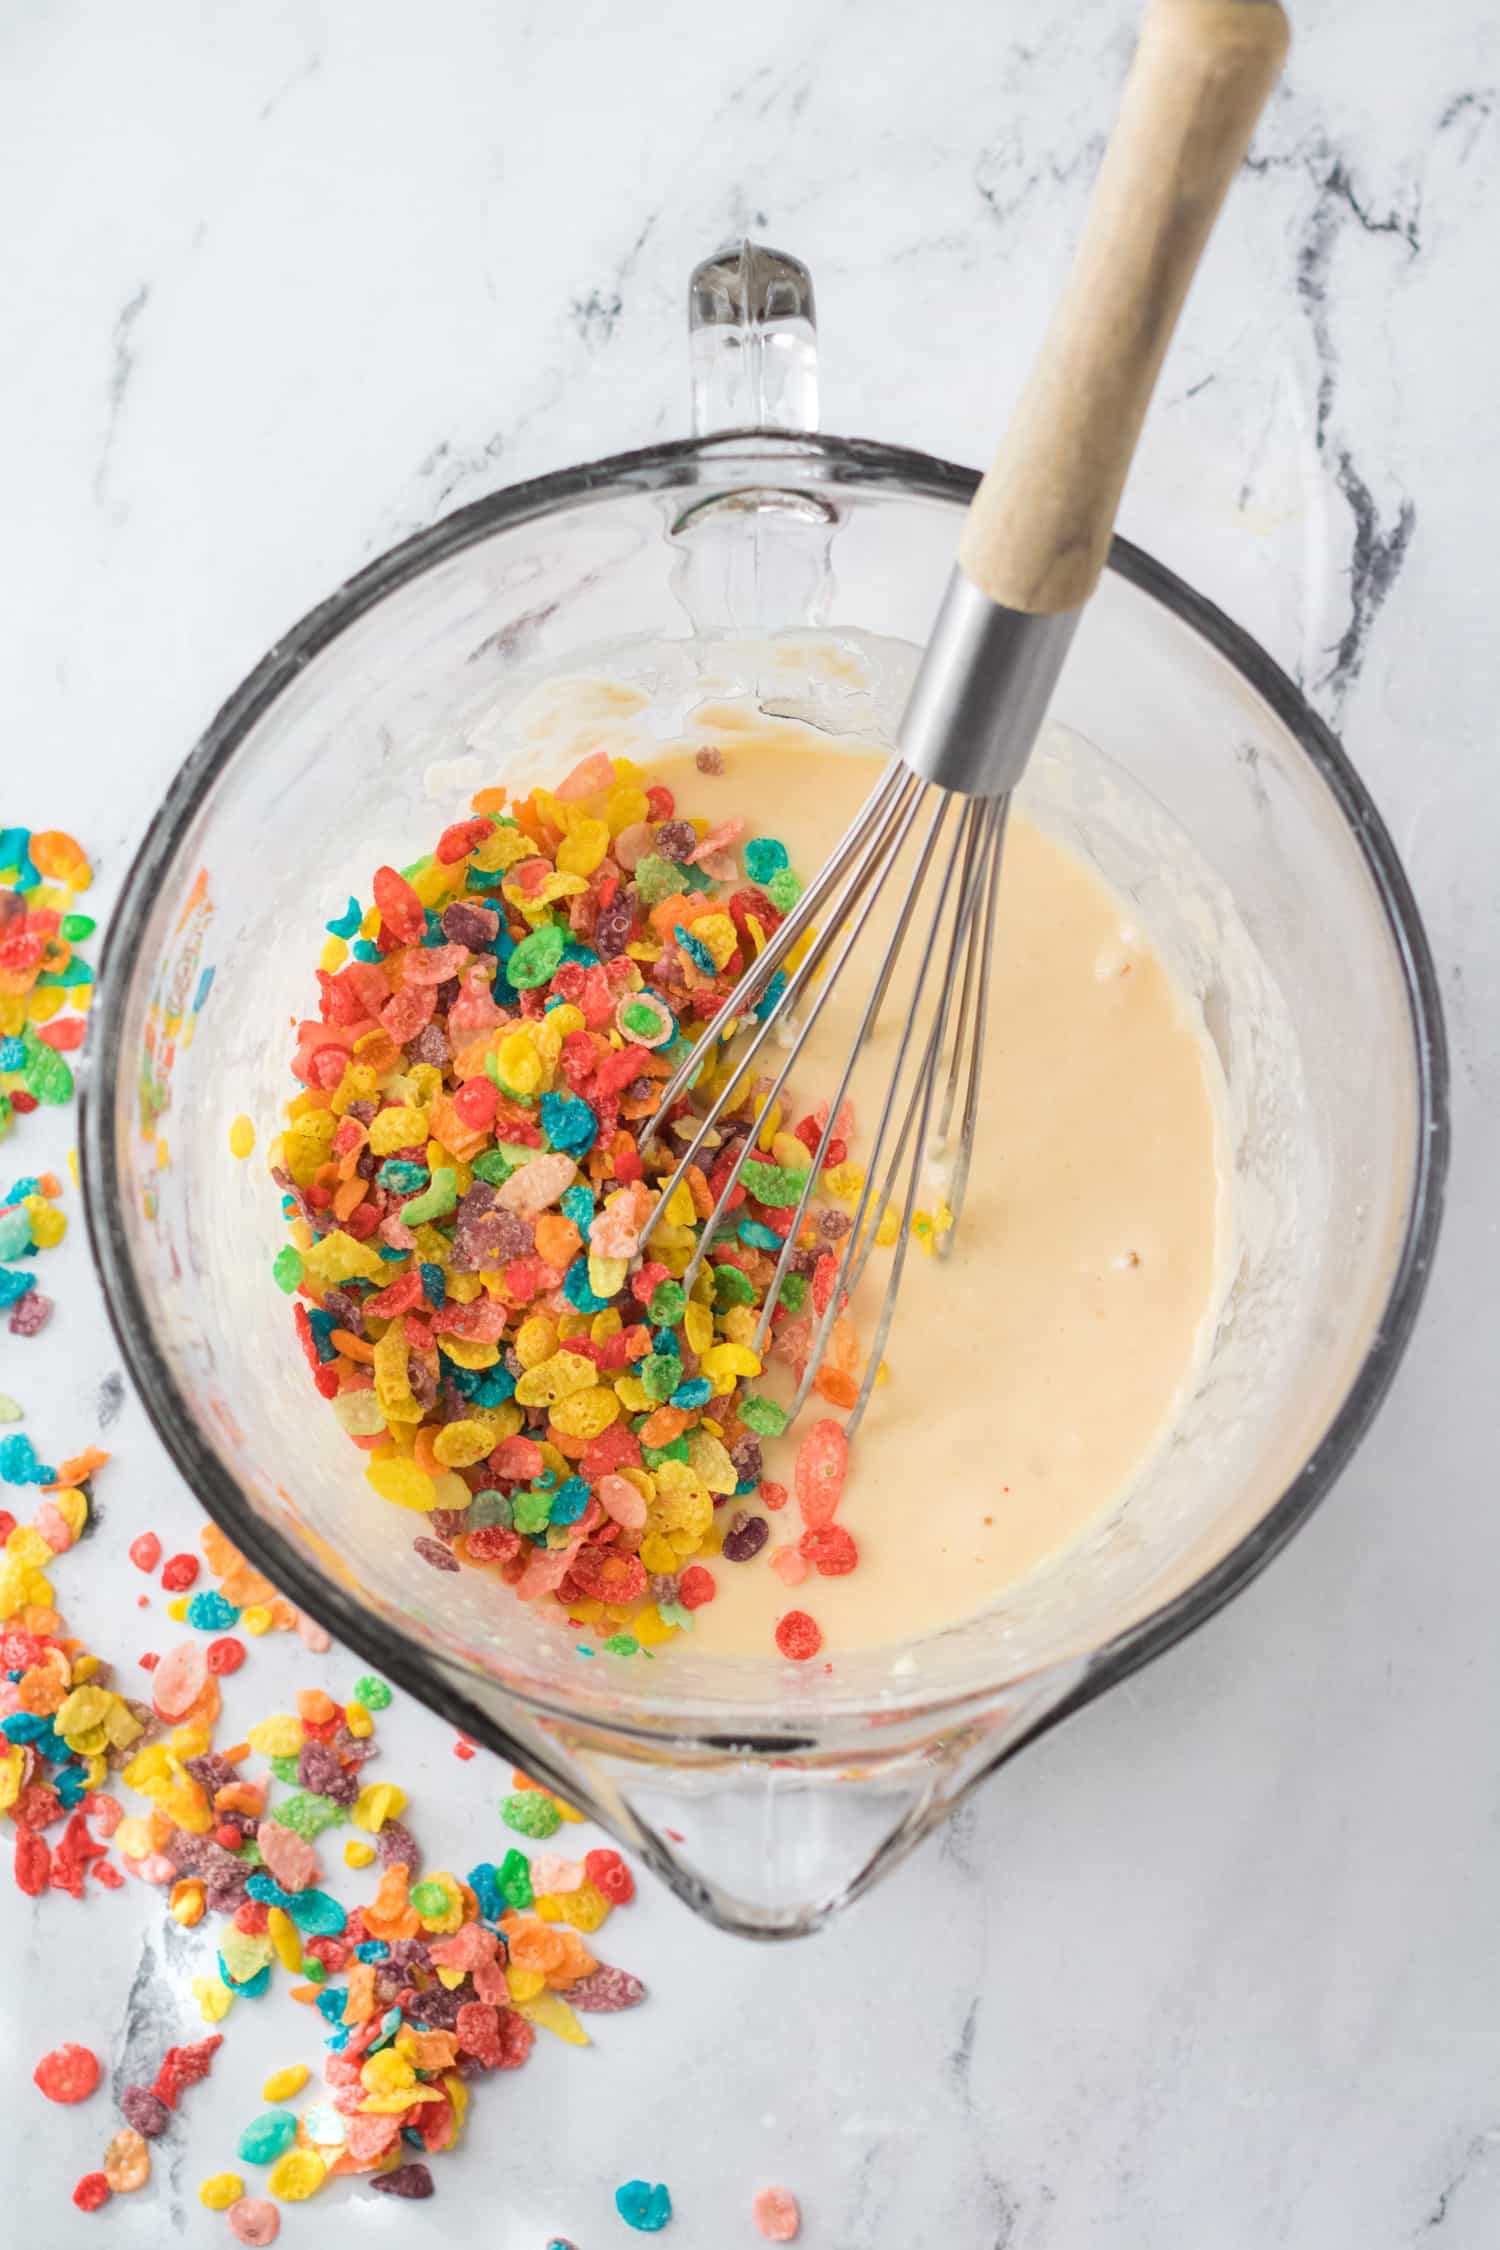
[(1185, 765)]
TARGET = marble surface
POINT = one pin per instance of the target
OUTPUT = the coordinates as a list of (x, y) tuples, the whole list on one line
[(1218, 1964)]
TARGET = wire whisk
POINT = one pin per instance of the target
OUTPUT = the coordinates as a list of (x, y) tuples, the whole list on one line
[(1034, 543), (964, 836)]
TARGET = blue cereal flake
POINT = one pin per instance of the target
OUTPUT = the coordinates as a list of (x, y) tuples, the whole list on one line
[(695, 949), (642, 2206), (210, 1612), (13, 1286), (268, 2136), (569, 1123), (577, 1204), (316, 1913), (15, 1231), (572, 1497), (764, 855), (18, 1461), (756, 1236), (770, 998), (434, 1284), (331, 2003), (577, 1291), (346, 925), (248, 1988), (484, 1882), (695, 1392)]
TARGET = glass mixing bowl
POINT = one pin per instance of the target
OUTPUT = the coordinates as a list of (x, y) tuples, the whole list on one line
[(1184, 765)]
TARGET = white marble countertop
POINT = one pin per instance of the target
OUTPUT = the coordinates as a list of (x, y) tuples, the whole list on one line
[(1218, 1964)]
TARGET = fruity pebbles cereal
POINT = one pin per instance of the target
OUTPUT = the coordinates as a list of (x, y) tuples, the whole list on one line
[(469, 1181)]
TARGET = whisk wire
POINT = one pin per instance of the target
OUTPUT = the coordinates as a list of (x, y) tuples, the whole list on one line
[(896, 820), (961, 868), (900, 828), (866, 1025)]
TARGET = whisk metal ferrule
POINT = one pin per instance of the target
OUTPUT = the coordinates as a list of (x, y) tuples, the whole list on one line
[(982, 691)]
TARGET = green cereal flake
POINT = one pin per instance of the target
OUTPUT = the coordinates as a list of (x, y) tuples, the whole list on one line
[(784, 890), (286, 1268), (537, 958), (490, 1165), (668, 1304), (762, 1415), (655, 879), (441, 1198), (531, 1812), (778, 1186), (514, 1880), (622, 1644), (731, 1287), (793, 1292), (372, 1693), (307, 1814)]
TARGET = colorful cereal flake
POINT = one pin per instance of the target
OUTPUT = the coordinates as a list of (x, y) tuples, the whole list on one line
[(543, 1342), (46, 985)]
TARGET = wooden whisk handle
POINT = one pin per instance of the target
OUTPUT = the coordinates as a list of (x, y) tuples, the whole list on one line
[(1038, 530)]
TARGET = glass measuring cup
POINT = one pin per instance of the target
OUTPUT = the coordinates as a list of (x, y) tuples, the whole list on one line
[(1184, 765)]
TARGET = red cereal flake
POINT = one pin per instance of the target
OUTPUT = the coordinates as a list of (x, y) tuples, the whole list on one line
[(400, 908), (822, 1465), (181, 1571), (33, 1862), (798, 1636), (226, 1655), (145, 1552), (609, 1874), (182, 2067), (93, 2190), (67, 2074), (696, 1586), (773, 1496), (831, 1550), (776, 2214)]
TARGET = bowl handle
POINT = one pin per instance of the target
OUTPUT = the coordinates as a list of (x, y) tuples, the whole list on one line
[(752, 342)]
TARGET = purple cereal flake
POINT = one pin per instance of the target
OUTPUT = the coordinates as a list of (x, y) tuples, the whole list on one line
[(210, 1771), (745, 1537), (321, 1769), (709, 760), (604, 1991), (433, 1551), (30, 1314), (833, 1225), (676, 839), (447, 992), (353, 1750), (411, 1953), (614, 926), (367, 1164), (363, 1113), (411, 2181), (388, 1985), (146, 2111), (745, 1454), (345, 1311), (663, 1586), (473, 926), (421, 1374), (438, 2009), (395, 1842), (447, 1523), (430, 1046)]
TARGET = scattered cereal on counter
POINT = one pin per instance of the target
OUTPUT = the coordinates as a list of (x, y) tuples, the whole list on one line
[(643, 2207)]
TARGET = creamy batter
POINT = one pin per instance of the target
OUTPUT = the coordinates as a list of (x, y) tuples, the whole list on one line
[(1034, 1370)]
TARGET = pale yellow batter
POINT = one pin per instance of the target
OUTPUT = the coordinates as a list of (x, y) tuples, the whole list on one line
[(1033, 1372)]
